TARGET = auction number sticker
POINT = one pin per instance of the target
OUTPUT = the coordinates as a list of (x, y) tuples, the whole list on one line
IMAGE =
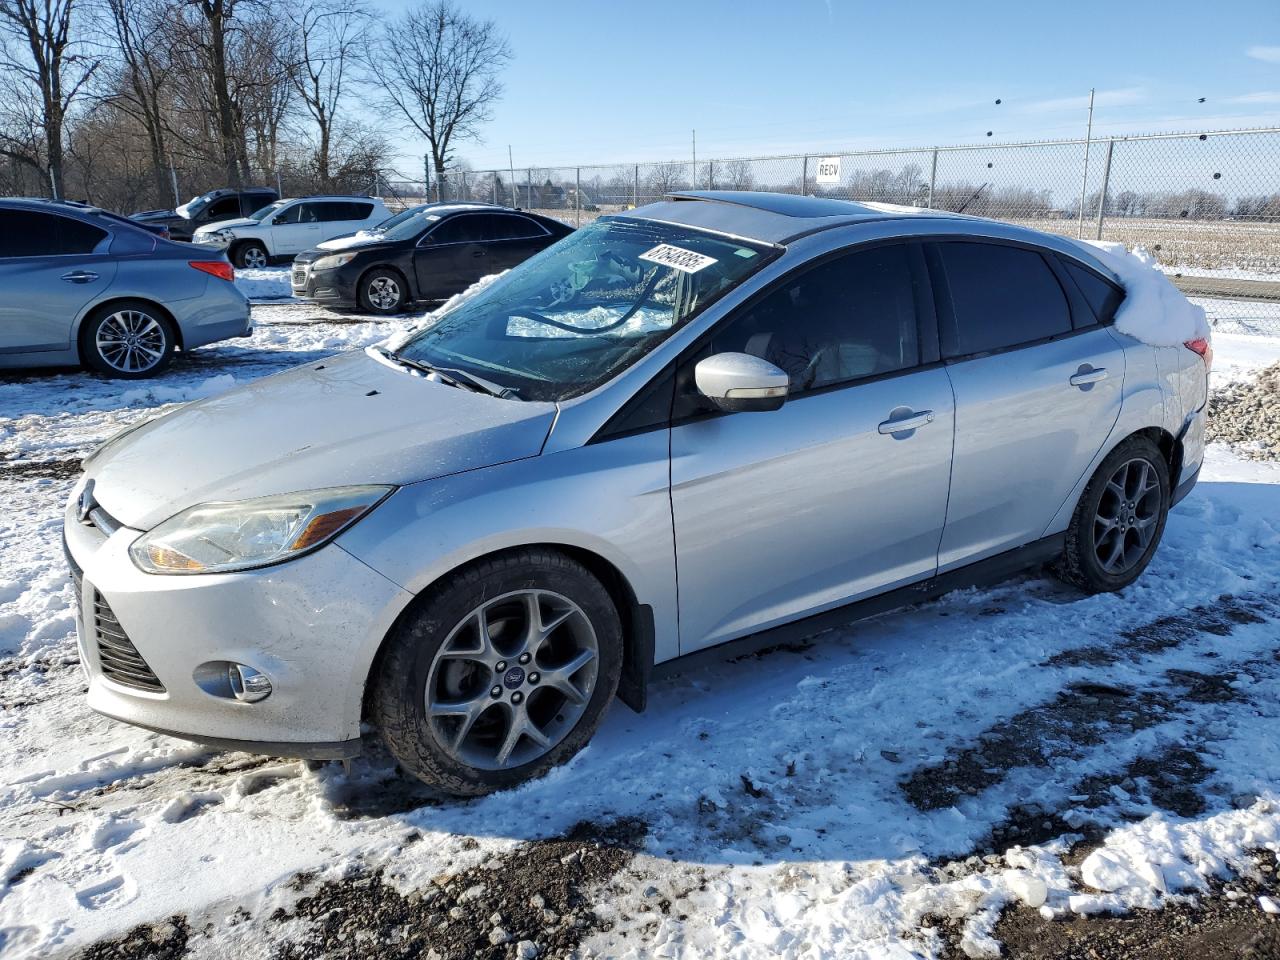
[(678, 258)]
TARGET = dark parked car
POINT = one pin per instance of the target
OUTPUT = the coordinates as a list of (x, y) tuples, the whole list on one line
[(437, 251), (85, 286), (224, 204)]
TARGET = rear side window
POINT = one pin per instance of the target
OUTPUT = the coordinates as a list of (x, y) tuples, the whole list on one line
[(31, 233), (1000, 296), (1103, 297), (335, 211), (513, 228)]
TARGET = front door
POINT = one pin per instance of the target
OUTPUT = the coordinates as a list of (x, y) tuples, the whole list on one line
[(295, 229), (49, 270), (453, 256), (782, 514), (1036, 395)]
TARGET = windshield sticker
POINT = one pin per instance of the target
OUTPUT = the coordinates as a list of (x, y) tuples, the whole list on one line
[(686, 261)]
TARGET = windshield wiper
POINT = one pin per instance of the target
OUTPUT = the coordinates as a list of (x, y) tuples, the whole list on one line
[(454, 378)]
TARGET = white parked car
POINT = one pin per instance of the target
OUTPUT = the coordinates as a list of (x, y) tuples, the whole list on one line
[(287, 227)]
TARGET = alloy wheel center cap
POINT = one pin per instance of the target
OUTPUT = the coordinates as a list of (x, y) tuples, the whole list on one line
[(513, 678)]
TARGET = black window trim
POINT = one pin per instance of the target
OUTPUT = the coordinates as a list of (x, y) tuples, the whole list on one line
[(101, 248), (1061, 261), (942, 294), (926, 333)]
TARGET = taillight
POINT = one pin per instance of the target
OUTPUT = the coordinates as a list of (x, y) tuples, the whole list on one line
[(215, 268), (1201, 346)]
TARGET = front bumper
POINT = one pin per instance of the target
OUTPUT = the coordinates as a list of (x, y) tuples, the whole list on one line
[(312, 625), (328, 286), (210, 241)]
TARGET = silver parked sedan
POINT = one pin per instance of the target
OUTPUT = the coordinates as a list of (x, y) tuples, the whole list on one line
[(83, 286), (706, 420)]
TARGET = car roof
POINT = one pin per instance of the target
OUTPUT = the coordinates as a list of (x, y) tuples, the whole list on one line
[(330, 196), (772, 217)]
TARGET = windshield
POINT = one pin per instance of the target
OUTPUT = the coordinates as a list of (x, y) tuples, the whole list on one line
[(575, 315), (409, 224), (267, 211), (404, 216)]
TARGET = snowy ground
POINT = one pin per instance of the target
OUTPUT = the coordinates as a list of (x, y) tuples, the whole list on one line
[(884, 790)]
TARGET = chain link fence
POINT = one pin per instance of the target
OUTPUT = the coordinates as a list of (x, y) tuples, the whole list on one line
[(1205, 205)]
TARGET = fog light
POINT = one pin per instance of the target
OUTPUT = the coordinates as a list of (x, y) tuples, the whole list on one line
[(247, 684)]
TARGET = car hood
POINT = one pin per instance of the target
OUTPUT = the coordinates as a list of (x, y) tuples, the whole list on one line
[(345, 420), (323, 250), (224, 224), (147, 216)]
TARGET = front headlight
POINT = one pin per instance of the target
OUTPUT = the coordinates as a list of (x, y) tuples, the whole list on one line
[(332, 262), (223, 537)]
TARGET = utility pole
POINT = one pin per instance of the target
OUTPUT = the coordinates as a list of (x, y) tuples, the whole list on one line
[(426, 178), (511, 165), (1084, 182)]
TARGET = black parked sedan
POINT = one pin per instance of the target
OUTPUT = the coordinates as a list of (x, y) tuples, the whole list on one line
[(428, 253)]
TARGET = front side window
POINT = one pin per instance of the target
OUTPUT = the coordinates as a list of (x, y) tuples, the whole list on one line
[(289, 214), (224, 209), (267, 211), (583, 310), (1001, 296), (847, 319)]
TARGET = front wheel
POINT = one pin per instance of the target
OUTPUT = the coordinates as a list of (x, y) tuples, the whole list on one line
[(504, 671), (382, 291), (1119, 520), (251, 256), (128, 340)]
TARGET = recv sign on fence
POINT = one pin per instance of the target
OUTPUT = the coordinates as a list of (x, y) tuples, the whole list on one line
[(829, 170)]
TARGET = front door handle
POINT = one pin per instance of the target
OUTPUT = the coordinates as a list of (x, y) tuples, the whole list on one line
[(477, 253), (905, 422), (1087, 375), (79, 276)]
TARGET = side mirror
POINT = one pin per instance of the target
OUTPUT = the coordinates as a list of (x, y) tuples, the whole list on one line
[(739, 382)]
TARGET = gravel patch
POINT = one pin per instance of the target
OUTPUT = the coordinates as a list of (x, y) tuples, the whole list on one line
[(1247, 415)]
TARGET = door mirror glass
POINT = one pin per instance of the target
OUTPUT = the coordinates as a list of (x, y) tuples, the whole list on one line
[(739, 382)]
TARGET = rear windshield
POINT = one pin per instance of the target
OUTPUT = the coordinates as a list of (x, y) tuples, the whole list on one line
[(581, 311)]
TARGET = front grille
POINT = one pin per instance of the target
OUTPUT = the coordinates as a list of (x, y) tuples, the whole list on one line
[(120, 661), (77, 575), (300, 276)]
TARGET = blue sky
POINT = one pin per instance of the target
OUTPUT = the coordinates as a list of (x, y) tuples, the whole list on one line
[(616, 82)]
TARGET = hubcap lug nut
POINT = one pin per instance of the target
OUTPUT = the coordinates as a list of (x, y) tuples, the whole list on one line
[(517, 697), (495, 692), (525, 658), (500, 666), (534, 678)]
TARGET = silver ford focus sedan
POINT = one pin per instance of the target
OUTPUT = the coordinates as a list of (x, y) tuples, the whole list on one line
[(715, 418)]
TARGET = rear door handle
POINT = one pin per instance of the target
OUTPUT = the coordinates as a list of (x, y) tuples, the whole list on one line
[(1086, 377), (912, 421), (79, 276)]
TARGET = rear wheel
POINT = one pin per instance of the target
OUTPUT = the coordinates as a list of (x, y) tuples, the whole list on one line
[(129, 340), (1119, 520), (503, 672), (250, 255), (382, 291)]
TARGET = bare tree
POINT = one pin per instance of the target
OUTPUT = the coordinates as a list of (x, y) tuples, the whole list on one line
[(140, 88), (217, 17), (52, 70), (439, 68), (328, 37)]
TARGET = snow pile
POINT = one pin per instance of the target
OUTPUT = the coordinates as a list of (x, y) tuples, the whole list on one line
[(1154, 310), (360, 238), (265, 283), (156, 394)]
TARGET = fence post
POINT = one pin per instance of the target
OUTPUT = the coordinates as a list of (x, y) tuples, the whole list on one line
[(1106, 182), (173, 177), (711, 174), (279, 184), (635, 188), (495, 187), (466, 195), (933, 177), (577, 196), (804, 178), (528, 183)]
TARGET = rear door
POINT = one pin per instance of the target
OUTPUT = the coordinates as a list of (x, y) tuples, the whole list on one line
[(786, 513), (1037, 391), (513, 239), (51, 267)]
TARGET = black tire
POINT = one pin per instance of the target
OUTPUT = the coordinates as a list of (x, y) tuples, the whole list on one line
[(103, 330), (249, 254), (382, 291), (398, 705), (1091, 532)]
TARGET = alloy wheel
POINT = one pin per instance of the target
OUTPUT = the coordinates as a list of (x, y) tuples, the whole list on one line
[(1127, 516), (512, 679), (254, 257), (131, 341), (384, 293)]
